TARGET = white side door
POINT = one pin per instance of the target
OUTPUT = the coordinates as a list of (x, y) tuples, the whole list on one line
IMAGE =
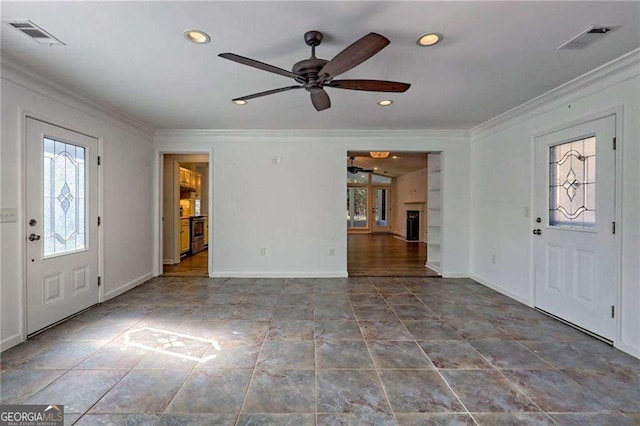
[(574, 248), (61, 223), (380, 210)]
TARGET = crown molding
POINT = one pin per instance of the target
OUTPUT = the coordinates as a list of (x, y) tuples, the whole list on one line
[(609, 74), (22, 76), (324, 134)]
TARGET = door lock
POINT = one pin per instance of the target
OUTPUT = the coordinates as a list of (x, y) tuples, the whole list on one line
[(34, 237), (538, 220), (537, 232), (33, 222)]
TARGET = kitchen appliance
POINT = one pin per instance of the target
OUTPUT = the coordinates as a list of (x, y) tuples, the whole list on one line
[(197, 234)]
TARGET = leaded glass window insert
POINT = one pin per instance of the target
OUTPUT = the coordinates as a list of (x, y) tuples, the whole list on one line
[(64, 200), (572, 184)]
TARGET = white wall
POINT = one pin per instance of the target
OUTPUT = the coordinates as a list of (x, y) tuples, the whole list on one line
[(501, 185), (410, 188), (126, 182), (296, 209)]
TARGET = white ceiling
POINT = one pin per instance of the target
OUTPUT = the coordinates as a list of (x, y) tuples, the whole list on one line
[(495, 56)]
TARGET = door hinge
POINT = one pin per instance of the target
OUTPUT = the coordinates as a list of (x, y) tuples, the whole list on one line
[(613, 227), (99, 281), (99, 160), (99, 221), (613, 311), (614, 144)]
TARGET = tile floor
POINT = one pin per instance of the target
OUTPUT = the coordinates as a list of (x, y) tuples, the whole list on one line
[(370, 351)]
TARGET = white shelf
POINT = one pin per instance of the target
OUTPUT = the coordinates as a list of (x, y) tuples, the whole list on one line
[(434, 216)]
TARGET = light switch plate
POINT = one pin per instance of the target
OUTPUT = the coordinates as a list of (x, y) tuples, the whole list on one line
[(8, 215)]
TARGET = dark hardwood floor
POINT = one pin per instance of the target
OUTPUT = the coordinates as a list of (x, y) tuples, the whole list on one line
[(383, 255), (192, 266)]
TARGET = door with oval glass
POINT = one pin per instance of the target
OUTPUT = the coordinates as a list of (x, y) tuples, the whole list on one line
[(574, 241), (61, 223)]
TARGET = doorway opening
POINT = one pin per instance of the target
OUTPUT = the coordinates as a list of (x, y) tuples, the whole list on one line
[(185, 213), (387, 210)]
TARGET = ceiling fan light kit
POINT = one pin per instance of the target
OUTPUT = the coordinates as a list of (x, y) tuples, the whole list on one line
[(314, 74), (379, 154)]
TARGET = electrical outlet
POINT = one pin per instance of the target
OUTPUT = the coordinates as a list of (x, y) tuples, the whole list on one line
[(332, 251), (8, 215), (263, 251)]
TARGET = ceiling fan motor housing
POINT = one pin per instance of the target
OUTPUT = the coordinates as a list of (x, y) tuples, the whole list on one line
[(308, 70)]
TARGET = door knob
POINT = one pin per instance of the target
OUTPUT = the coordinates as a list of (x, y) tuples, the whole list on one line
[(34, 237), (537, 232)]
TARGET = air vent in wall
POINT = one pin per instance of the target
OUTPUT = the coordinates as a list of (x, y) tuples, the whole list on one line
[(34, 32), (585, 38)]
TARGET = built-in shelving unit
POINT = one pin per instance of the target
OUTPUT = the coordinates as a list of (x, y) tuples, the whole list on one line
[(434, 211)]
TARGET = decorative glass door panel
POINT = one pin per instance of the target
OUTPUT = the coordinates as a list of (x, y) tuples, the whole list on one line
[(572, 184), (357, 207), (381, 206), (64, 201)]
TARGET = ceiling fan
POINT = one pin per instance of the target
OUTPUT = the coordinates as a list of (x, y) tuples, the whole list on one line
[(354, 170), (315, 74)]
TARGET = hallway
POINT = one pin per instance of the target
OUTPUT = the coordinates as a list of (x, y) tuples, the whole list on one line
[(371, 255)]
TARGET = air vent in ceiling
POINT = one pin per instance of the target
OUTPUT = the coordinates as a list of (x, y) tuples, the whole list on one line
[(585, 38), (35, 32)]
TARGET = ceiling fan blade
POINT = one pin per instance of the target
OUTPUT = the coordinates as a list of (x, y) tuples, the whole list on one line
[(257, 64), (370, 85), (268, 92), (320, 99), (353, 55)]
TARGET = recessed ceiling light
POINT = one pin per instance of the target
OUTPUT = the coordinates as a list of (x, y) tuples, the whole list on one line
[(429, 39), (375, 168), (395, 157), (385, 102), (197, 36), (240, 102)]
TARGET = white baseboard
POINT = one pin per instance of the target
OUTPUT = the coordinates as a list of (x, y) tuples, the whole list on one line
[(169, 262), (336, 274), (500, 289), (10, 342), (635, 352), (454, 274), (128, 286)]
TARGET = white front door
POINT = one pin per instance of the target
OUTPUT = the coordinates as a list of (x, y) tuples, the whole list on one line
[(575, 253), (61, 223)]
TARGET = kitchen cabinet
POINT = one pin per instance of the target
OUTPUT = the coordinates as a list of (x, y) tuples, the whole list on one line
[(198, 184), (206, 231), (187, 178), (185, 239)]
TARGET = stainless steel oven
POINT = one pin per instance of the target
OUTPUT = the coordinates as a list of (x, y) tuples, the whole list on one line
[(197, 234)]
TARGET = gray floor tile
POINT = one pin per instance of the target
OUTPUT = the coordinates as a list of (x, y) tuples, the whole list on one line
[(291, 330), (281, 391), (448, 419), (453, 354), (168, 419), (487, 391), (19, 385), (343, 354), (355, 419), (384, 330), (211, 391), (374, 313), (564, 355), (78, 390), (142, 391), (230, 354), (390, 354), (276, 420), (337, 330), (431, 330), (600, 419), (350, 391), (117, 419), (512, 419), (286, 355), (418, 391), (510, 355)]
